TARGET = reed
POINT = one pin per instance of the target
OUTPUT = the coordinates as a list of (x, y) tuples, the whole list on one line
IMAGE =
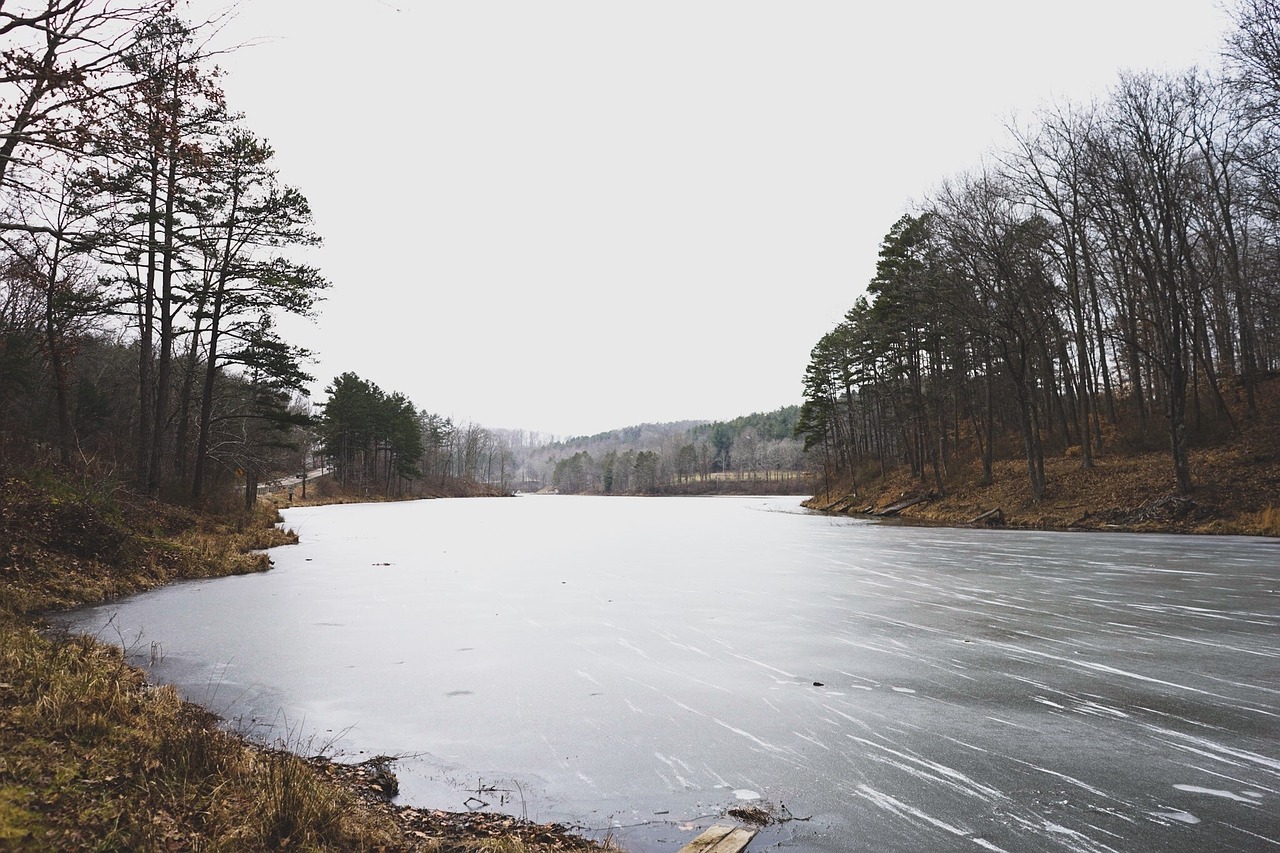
[(1269, 521)]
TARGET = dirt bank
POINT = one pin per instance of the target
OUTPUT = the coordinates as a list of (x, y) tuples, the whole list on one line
[(1237, 491)]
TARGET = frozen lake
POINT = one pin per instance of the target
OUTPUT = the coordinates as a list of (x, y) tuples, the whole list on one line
[(646, 663)]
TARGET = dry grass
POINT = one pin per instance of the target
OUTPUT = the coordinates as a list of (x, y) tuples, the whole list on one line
[(94, 758), (1118, 493), (1237, 480), (1268, 521), (59, 549)]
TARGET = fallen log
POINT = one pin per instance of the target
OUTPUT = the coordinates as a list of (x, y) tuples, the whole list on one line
[(894, 509), (845, 505), (991, 517)]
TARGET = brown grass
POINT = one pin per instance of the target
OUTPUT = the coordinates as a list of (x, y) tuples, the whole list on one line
[(60, 548), (1268, 521), (1236, 478), (93, 757)]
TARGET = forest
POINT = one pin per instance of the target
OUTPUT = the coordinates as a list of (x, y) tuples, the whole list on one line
[(379, 443), (755, 452), (376, 442), (1108, 277), (149, 248)]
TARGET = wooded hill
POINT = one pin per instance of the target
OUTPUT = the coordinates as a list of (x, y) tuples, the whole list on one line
[(1109, 279), (753, 454), (147, 247)]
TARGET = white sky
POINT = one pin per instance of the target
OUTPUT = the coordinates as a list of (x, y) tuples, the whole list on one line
[(575, 216)]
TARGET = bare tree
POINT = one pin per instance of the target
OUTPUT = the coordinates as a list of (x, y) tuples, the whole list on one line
[(58, 71)]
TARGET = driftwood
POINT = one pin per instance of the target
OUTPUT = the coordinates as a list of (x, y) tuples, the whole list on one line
[(991, 517), (845, 504), (1170, 509), (901, 505)]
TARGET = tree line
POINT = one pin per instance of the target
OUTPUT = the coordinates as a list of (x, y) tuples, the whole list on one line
[(659, 458), (377, 442), (147, 249), (1110, 273)]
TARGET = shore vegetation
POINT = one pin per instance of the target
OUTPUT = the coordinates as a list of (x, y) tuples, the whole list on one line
[(92, 756)]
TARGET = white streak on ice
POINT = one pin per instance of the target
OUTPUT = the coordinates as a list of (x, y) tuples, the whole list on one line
[(671, 762), (782, 672), (1243, 755), (952, 776), (1082, 841), (1063, 776), (1215, 792), (632, 647), (812, 740), (1254, 834), (896, 806), (749, 737)]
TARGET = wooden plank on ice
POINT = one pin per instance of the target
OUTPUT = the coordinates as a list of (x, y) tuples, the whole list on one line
[(735, 842), (708, 839), (720, 839)]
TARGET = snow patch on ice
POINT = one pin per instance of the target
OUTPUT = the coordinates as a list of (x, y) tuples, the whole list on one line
[(1215, 792)]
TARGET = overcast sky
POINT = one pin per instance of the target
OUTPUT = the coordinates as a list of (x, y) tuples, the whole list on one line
[(575, 216)]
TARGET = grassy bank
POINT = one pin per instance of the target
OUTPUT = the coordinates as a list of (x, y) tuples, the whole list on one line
[(92, 757)]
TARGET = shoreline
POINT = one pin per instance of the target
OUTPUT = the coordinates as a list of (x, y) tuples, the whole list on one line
[(367, 780), (112, 732), (93, 753), (1120, 494)]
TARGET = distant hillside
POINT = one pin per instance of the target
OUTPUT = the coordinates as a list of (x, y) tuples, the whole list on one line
[(752, 453), (640, 436), (772, 426)]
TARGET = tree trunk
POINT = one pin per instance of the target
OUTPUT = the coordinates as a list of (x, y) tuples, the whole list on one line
[(164, 366), (57, 355), (146, 333)]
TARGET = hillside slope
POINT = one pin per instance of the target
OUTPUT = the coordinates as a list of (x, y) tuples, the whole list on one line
[(1237, 489)]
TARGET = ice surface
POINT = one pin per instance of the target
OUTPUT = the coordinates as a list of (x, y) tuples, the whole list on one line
[(640, 663)]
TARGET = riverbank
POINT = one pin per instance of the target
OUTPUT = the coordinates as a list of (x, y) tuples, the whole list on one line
[(1237, 491), (92, 756)]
